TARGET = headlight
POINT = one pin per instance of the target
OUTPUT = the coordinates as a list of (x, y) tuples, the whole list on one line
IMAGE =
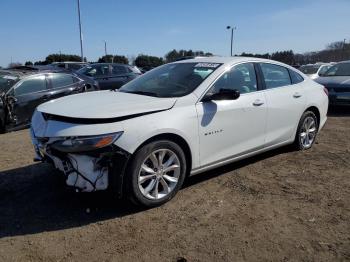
[(87, 143)]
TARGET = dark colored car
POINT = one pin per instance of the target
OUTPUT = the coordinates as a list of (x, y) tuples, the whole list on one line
[(22, 92), (109, 75), (68, 65), (337, 81)]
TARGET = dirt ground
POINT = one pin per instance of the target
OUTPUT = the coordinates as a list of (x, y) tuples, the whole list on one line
[(279, 206)]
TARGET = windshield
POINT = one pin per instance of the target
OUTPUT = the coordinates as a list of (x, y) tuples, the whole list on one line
[(341, 69), (324, 69), (7, 81), (309, 69), (171, 80)]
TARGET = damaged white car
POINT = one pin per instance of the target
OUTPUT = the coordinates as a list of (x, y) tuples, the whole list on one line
[(179, 119)]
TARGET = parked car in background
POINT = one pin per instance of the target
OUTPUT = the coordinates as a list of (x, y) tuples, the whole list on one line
[(22, 92), (314, 70), (337, 81), (110, 75), (179, 119), (68, 65)]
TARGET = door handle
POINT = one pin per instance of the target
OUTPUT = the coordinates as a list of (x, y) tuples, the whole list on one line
[(297, 95), (258, 102)]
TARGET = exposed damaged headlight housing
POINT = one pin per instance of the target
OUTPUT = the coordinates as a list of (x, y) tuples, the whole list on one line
[(87, 143)]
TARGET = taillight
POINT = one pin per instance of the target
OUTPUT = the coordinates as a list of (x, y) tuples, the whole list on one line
[(325, 90)]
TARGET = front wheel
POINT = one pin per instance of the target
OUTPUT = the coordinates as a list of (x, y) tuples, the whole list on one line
[(307, 131), (156, 173)]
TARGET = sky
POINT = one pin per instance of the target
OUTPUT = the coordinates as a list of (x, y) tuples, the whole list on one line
[(32, 29)]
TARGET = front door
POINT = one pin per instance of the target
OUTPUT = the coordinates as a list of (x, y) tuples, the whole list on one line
[(232, 128), (26, 96)]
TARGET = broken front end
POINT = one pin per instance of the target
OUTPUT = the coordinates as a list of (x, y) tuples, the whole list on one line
[(90, 163)]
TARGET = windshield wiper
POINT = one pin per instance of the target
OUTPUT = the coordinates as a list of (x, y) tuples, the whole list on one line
[(145, 93)]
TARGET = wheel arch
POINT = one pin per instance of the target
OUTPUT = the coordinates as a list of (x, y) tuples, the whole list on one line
[(176, 139), (316, 111)]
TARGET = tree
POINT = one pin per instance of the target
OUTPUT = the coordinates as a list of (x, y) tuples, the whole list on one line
[(148, 62), (266, 56), (120, 59), (172, 56), (61, 58), (113, 59), (105, 59), (40, 62), (28, 63), (284, 57), (175, 55)]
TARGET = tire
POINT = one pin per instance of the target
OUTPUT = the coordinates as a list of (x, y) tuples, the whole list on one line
[(307, 131), (146, 177)]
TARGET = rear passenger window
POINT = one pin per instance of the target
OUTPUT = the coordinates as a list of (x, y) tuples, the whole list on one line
[(61, 80), (296, 78), (116, 70), (275, 76)]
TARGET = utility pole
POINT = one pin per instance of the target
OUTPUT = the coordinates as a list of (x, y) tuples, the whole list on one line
[(232, 28), (81, 35)]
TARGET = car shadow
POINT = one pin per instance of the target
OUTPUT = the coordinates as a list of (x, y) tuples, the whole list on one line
[(34, 199)]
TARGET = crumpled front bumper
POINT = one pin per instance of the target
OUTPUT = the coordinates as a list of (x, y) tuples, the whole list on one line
[(85, 171)]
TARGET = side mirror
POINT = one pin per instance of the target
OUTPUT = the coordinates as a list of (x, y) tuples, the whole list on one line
[(223, 94)]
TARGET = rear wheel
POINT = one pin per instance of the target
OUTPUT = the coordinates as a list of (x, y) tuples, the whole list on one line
[(156, 173), (307, 131)]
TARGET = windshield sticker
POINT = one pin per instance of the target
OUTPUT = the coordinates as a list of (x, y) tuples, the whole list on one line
[(10, 77), (211, 65)]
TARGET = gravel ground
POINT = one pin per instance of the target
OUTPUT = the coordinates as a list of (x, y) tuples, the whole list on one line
[(279, 206)]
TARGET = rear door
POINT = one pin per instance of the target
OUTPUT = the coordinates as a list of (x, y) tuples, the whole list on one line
[(103, 76), (26, 96), (100, 73), (285, 101), (61, 84), (120, 75)]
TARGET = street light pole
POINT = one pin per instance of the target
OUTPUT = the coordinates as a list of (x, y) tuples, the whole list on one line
[(232, 28), (81, 35), (105, 47)]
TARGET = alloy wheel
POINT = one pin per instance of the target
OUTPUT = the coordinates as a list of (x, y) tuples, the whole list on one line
[(308, 132), (159, 174)]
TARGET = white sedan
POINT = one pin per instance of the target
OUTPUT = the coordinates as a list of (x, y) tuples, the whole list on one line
[(179, 119)]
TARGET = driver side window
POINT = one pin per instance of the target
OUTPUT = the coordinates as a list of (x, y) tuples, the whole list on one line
[(240, 77)]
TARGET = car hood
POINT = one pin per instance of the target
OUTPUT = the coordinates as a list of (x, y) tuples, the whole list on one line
[(334, 81), (105, 105)]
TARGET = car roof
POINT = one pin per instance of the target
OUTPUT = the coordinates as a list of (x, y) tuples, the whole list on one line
[(228, 60), (24, 74), (107, 64), (69, 62), (344, 62)]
